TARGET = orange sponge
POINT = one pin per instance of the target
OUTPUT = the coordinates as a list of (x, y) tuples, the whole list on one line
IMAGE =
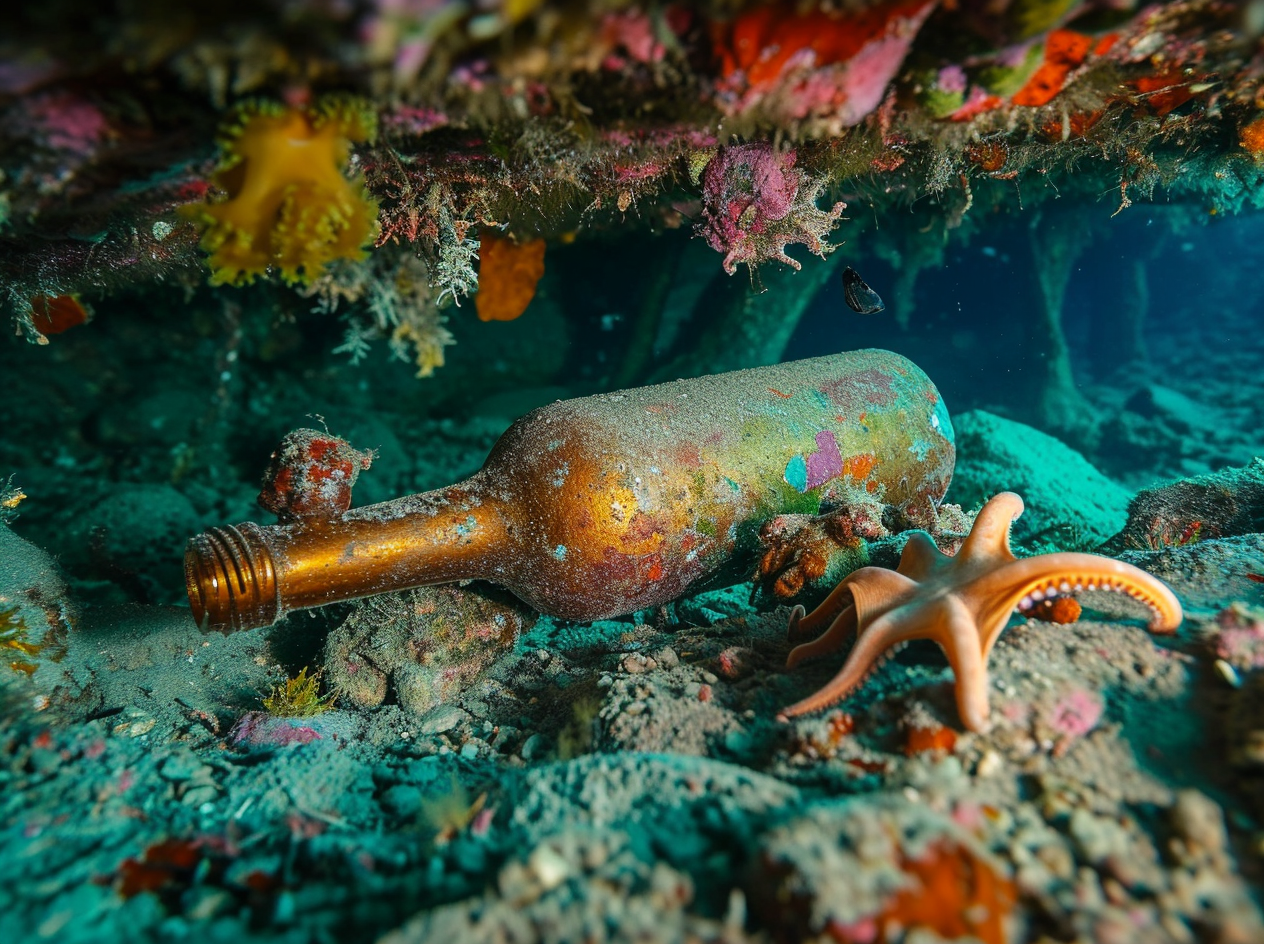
[(289, 206), (1251, 137), (508, 273)]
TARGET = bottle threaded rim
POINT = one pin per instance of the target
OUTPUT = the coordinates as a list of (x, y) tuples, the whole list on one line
[(231, 579)]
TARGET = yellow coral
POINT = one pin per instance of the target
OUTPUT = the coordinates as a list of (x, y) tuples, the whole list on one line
[(289, 205)]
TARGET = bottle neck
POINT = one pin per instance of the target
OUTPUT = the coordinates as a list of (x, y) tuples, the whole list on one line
[(246, 576)]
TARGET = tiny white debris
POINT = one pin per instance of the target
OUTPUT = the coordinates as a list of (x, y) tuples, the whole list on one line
[(990, 764), (1228, 673), (550, 868)]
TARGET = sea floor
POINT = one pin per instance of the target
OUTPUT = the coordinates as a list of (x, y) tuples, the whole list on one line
[(618, 781)]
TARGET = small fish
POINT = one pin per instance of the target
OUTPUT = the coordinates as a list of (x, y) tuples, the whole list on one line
[(860, 297)]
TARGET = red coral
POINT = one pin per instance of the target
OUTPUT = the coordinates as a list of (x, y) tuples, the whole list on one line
[(55, 314), (829, 62), (171, 861), (762, 42), (755, 202)]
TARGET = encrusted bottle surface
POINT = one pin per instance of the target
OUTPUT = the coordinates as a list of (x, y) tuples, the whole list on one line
[(597, 506)]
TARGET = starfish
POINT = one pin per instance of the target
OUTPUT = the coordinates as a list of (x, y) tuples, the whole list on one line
[(961, 602)]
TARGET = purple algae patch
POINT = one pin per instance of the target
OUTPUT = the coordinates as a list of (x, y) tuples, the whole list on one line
[(826, 463), (260, 729)]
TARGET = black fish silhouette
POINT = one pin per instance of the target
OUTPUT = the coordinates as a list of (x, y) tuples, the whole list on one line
[(860, 297)]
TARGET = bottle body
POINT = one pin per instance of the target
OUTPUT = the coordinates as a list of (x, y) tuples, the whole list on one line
[(597, 506)]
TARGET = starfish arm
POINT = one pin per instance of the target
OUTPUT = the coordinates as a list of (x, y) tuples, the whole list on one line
[(842, 629), (872, 644), (958, 636), (868, 589), (804, 625), (989, 535), (921, 558), (995, 594)]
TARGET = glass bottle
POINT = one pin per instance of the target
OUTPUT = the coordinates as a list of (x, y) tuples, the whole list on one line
[(598, 506)]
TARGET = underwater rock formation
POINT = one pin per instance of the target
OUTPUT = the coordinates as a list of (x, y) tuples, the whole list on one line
[(422, 647)]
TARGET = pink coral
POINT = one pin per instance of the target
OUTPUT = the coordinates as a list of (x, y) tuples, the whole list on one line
[(1075, 714), (755, 202), (260, 729), (68, 123), (632, 32)]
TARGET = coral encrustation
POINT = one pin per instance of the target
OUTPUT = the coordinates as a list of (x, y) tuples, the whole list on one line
[(755, 202), (289, 207)]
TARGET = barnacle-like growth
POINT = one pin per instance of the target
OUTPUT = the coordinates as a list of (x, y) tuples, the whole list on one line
[(298, 697), (755, 202), (289, 206)]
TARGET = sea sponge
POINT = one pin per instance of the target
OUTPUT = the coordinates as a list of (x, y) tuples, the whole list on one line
[(508, 274), (1251, 137), (289, 206)]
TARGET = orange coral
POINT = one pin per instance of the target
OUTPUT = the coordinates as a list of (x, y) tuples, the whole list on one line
[(934, 737), (1074, 125), (508, 273), (1165, 91), (289, 205), (55, 314), (955, 894), (1251, 137), (1064, 50)]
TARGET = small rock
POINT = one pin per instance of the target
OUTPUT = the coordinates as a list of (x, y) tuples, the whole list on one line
[(634, 663), (532, 747), (667, 657), (442, 719), (199, 795), (402, 800), (180, 766), (1199, 826), (990, 764), (550, 869)]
